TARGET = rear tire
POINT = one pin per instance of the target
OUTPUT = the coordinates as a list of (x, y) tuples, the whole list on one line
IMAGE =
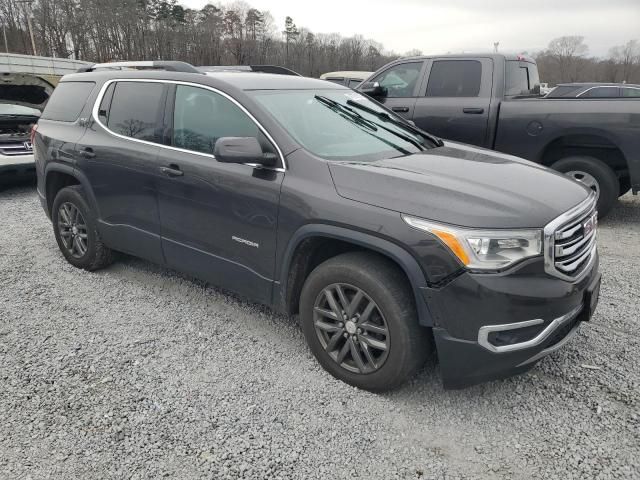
[(597, 175), (391, 321), (75, 229)]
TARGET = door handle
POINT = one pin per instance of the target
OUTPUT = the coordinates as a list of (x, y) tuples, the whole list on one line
[(476, 111), (87, 152), (172, 170), (400, 109)]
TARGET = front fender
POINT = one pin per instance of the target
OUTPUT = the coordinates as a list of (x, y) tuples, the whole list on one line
[(391, 250)]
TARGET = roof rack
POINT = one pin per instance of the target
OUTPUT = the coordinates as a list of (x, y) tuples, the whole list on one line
[(171, 66), (249, 68)]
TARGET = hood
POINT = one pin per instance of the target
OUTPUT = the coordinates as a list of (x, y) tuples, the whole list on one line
[(26, 90), (461, 185)]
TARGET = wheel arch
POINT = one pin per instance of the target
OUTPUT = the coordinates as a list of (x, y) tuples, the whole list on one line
[(593, 143), (58, 176), (303, 253)]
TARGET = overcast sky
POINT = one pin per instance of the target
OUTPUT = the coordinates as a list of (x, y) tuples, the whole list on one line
[(443, 26)]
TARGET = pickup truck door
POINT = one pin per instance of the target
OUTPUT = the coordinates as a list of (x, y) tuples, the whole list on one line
[(402, 82), (455, 98)]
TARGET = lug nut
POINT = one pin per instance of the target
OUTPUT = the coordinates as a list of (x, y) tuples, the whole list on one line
[(360, 330), (346, 335), (341, 324)]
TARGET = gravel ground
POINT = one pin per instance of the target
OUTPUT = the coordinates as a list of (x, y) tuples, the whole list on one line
[(139, 372)]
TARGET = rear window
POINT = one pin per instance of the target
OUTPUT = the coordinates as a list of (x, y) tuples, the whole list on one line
[(67, 101), (564, 91), (600, 92), (135, 111), (454, 78)]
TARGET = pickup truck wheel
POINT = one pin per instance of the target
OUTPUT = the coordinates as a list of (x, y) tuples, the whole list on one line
[(74, 227), (596, 175), (358, 316)]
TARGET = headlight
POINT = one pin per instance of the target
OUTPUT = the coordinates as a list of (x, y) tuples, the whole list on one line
[(483, 249)]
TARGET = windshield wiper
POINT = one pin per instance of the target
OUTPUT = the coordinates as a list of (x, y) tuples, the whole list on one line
[(407, 126), (338, 107), (367, 125), (351, 111)]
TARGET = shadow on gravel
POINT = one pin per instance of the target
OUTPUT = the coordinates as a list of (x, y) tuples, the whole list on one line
[(6, 186)]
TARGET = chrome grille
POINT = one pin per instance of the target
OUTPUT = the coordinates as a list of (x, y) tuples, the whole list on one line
[(570, 241), (18, 148)]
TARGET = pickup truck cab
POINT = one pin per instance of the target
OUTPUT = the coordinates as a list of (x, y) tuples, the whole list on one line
[(493, 101)]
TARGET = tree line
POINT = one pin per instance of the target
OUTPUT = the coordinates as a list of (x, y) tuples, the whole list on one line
[(109, 30)]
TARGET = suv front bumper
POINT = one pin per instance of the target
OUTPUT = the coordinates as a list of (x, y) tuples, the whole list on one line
[(535, 313)]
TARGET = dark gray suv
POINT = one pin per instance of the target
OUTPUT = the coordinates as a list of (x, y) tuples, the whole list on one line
[(310, 198)]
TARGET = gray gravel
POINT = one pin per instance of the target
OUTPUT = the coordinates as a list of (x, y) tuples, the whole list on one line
[(139, 372)]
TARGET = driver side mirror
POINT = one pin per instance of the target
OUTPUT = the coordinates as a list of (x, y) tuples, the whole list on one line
[(242, 150), (372, 89)]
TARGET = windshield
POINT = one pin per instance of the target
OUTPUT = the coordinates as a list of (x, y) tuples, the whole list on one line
[(331, 124), (7, 109)]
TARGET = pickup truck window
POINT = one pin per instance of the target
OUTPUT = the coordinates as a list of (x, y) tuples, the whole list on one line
[(520, 78), (454, 78), (400, 80)]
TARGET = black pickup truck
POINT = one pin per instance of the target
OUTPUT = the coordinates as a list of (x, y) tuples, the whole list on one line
[(494, 101)]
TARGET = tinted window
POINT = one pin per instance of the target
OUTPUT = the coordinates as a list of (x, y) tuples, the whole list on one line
[(454, 78), (601, 92), (201, 117), (400, 80), (354, 83), (631, 92), (135, 110), (339, 81), (67, 101)]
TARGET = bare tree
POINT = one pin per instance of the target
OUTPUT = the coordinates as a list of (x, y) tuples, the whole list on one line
[(566, 51)]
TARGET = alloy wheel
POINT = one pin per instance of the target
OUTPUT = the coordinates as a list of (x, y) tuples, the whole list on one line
[(72, 229), (351, 328)]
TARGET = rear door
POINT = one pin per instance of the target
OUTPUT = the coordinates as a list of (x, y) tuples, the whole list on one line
[(402, 83), (454, 100), (118, 154)]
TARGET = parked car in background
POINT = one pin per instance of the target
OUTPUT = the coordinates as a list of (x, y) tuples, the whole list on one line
[(307, 196), (493, 101), (22, 98), (348, 79), (595, 90)]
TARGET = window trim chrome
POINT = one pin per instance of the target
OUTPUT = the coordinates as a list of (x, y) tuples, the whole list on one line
[(597, 86), (105, 86), (583, 208), (484, 331)]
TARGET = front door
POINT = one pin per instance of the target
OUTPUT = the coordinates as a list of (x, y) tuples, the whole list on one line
[(118, 154), (454, 103), (218, 220)]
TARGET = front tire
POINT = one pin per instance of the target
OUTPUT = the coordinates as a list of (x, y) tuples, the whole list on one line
[(596, 175), (74, 226), (359, 318)]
